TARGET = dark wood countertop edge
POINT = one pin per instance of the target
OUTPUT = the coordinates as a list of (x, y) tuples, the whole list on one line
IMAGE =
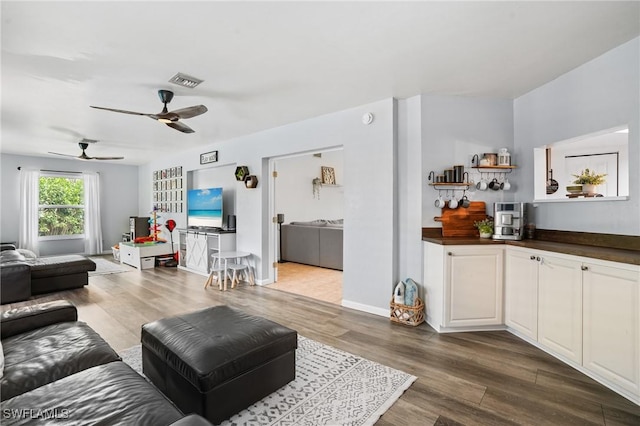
[(613, 254)]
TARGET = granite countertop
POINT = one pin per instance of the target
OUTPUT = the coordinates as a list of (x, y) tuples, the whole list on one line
[(603, 253)]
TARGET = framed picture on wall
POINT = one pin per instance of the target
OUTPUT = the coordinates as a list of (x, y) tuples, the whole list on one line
[(328, 175)]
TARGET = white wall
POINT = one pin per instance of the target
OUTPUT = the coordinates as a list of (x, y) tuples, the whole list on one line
[(294, 191), (409, 190), (118, 198), (215, 177), (601, 94), (369, 193), (453, 130)]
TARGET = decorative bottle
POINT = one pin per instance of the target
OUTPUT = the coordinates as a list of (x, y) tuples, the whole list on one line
[(398, 293), (410, 292)]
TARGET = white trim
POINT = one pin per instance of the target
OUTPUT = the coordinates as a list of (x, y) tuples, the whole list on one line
[(366, 308), (587, 199)]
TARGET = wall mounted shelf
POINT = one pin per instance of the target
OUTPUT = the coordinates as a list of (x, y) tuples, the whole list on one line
[(494, 168)]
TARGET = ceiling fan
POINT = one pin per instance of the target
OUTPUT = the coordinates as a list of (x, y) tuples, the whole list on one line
[(83, 145), (170, 118)]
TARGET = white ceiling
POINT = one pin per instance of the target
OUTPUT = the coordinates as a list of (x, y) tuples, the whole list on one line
[(267, 64)]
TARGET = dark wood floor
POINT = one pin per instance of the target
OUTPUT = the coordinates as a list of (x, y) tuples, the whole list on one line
[(490, 378)]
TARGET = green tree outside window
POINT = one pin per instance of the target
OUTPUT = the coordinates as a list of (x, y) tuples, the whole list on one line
[(61, 209)]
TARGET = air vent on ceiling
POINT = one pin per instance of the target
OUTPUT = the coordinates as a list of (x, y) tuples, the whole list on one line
[(185, 80)]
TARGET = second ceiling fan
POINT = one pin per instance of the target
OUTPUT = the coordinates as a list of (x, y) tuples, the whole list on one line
[(170, 118)]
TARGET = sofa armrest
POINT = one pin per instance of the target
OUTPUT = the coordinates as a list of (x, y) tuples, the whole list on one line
[(15, 281), (26, 318), (191, 420)]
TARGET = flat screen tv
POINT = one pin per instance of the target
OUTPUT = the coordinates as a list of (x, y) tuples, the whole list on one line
[(204, 208)]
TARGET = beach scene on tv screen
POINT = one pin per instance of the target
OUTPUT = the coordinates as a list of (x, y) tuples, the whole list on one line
[(205, 207)]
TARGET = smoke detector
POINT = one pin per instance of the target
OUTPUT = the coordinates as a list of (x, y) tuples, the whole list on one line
[(185, 80)]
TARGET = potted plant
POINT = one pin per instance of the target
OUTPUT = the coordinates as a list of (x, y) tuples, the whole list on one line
[(589, 180), (485, 227)]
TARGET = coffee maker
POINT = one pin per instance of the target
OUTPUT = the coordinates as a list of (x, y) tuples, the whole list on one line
[(509, 220)]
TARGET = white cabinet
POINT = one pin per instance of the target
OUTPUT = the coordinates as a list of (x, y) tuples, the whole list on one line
[(196, 254), (521, 292), (196, 248), (543, 298), (611, 308), (587, 312), (463, 287), (560, 306), (140, 255)]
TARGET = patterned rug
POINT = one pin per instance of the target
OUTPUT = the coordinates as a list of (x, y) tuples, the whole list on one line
[(106, 266), (331, 387)]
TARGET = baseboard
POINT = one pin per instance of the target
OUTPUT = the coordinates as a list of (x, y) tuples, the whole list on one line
[(366, 308)]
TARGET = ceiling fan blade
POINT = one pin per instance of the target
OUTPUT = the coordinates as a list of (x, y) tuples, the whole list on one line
[(120, 110), (106, 158), (64, 155), (189, 112), (181, 127)]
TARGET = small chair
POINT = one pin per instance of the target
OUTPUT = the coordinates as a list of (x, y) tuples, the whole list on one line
[(218, 270), (238, 269)]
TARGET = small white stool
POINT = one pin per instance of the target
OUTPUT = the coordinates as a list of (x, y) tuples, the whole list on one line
[(240, 269), (219, 271)]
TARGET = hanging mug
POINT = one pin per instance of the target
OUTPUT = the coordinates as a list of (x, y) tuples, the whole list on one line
[(440, 203), (494, 184), (464, 202), (453, 203)]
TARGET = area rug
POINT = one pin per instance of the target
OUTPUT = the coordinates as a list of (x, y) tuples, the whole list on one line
[(105, 266), (331, 387)]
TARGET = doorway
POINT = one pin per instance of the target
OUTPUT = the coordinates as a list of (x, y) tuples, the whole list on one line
[(306, 195)]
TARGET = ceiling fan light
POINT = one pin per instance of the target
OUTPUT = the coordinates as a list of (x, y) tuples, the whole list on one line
[(164, 120)]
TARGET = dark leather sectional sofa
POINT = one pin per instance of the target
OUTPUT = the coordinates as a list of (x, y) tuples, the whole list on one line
[(57, 369), (20, 278)]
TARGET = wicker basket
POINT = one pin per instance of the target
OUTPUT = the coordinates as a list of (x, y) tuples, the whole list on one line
[(409, 315)]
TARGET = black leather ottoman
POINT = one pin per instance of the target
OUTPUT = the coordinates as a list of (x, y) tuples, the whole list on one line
[(217, 361)]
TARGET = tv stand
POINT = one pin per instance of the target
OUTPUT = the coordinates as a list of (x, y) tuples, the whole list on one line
[(197, 246)]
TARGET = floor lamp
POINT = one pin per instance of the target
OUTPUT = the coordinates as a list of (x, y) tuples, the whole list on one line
[(280, 220)]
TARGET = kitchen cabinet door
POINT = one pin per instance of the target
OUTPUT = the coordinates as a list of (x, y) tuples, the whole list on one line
[(612, 324), (473, 290), (521, 292), (560, 306)]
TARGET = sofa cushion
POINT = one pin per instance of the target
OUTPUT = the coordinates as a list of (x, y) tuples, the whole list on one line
[(61, 265), (28, 254), (317, 222), (11, 256), (49, 353), (110, 394)]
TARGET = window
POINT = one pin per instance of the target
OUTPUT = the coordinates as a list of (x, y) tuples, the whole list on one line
[(61, 206)]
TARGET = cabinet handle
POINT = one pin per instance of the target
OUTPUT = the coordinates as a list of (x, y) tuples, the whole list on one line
[(584, 268), (449, 254), (532, 257)]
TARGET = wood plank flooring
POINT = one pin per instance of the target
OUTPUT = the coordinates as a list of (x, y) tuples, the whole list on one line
[(488, 378), (311, 281)]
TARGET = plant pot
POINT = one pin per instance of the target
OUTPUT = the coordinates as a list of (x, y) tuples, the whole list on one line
[(589, 188), (485, 234)]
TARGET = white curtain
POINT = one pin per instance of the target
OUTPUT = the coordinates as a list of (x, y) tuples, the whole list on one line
[(92, 222), (29, 202)]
